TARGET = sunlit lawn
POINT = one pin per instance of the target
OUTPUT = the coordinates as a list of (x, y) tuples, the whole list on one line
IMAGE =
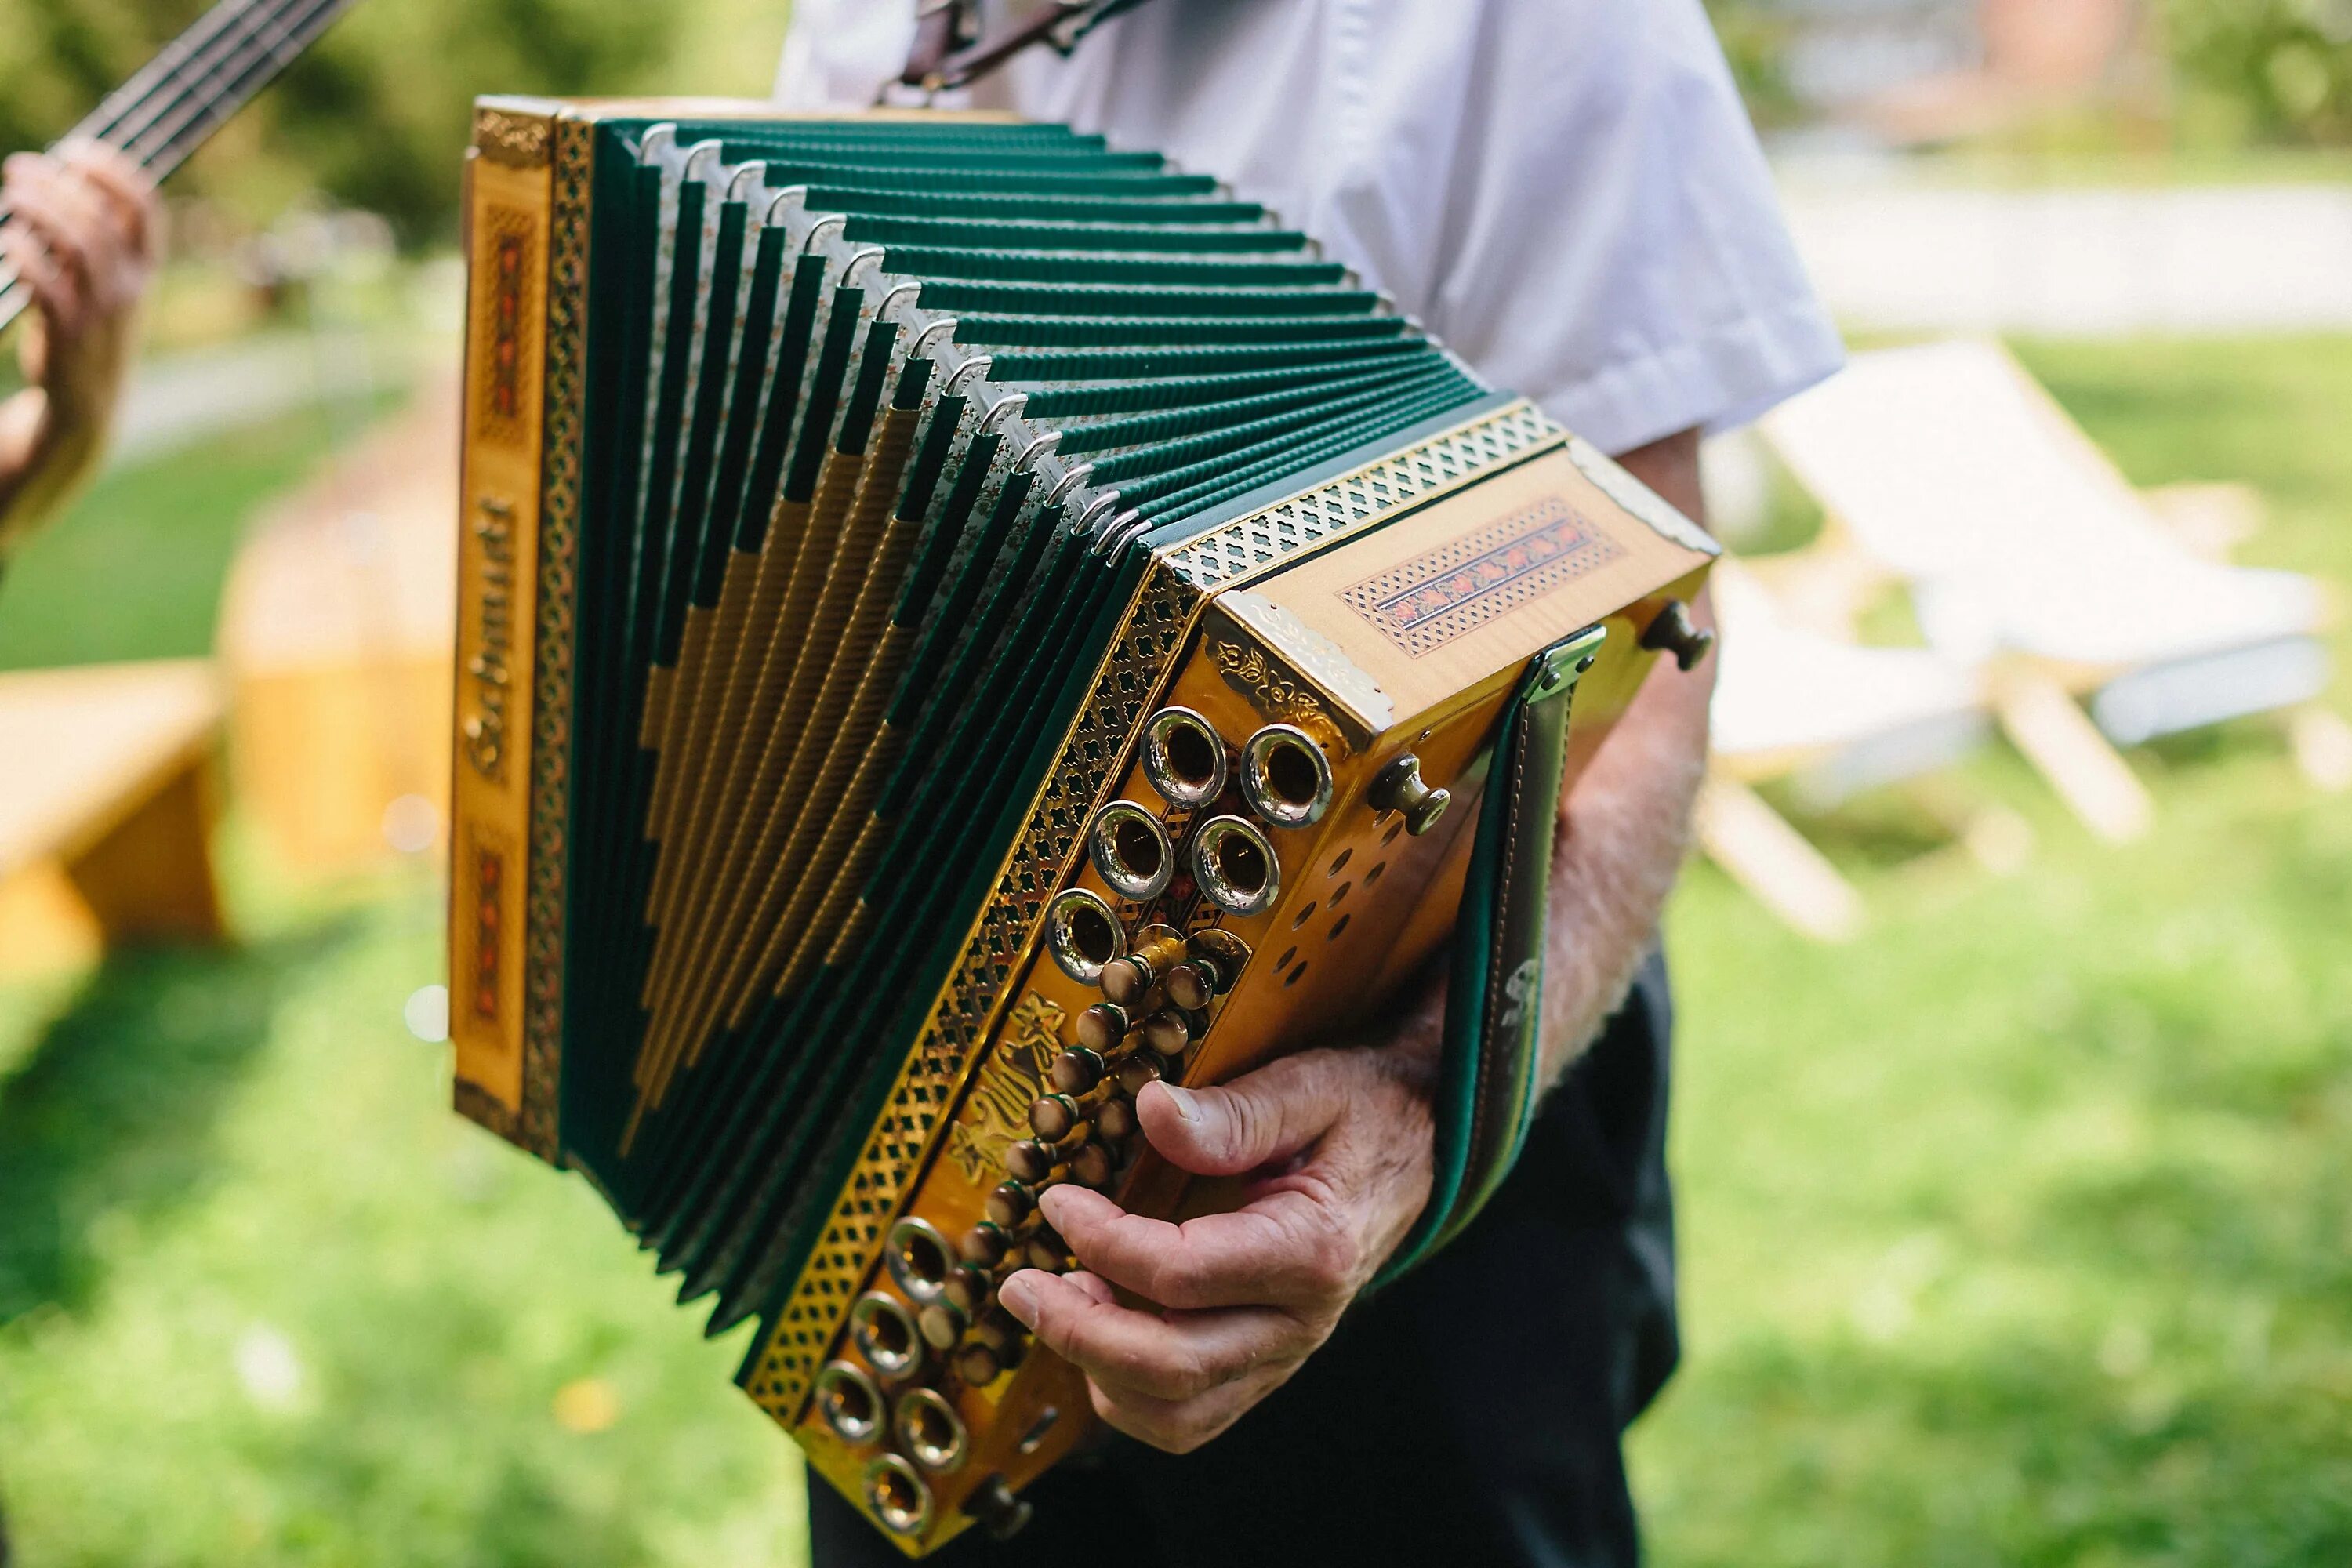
[(2020, 1231), (267, 1301), (134, 569)]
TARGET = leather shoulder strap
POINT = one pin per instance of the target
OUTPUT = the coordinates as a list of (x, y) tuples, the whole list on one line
[(1490, 1075), (951, 52)]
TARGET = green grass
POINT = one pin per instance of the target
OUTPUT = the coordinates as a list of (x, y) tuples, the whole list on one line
[(217, 1169), (2019, 1232), (134, 569)]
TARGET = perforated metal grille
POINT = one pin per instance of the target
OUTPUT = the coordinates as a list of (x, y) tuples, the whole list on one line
[(1249, 545), (1131, 677)]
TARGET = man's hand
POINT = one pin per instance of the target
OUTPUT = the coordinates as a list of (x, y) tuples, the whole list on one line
[(83, 235), (1340, 1142)]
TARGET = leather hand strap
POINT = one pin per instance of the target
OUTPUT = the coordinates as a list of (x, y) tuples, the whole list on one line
[(1489, 1077)]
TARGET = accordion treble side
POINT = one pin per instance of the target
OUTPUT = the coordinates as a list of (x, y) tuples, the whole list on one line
[(958, 620)]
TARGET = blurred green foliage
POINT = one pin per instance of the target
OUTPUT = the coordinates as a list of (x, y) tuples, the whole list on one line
[(2265, 71), (1755, 38), (377, 115), (2280, 69)]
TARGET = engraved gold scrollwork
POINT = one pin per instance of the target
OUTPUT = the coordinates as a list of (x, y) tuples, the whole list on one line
[(996, 1115), (1248, 671), (517, 141)]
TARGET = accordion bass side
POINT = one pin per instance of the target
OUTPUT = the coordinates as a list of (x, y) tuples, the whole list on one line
[(958, 621)]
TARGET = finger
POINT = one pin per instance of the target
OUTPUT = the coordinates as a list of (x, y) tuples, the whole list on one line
[(53, 294), (49, 215), (1181, 1356), (86, 210), (21, 169), (1178, 1426), (109, 165), (1093, 1285), (121, 184), (1283, 1249), (1259, 1119)]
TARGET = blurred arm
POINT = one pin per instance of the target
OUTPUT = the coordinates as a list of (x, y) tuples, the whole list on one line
[(83, 235)]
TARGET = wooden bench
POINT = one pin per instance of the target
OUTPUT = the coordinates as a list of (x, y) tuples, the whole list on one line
[(106, 809), (336, 632)]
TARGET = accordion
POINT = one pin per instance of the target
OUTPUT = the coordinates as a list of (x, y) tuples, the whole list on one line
[(958, 620)]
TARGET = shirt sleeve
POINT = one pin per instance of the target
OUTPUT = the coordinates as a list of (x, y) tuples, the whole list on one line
[(1567, 192), (1611, 243), (838, 53)]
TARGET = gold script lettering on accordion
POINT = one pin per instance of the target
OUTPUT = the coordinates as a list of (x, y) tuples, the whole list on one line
[(489, 668), (974, 620)]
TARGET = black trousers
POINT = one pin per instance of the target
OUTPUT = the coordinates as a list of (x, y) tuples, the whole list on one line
[(1471, 1414)]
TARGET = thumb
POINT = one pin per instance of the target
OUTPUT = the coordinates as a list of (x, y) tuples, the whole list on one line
[(1260, 1119)]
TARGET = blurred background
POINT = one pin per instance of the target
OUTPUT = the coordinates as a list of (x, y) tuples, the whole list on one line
[(2014, 1134)]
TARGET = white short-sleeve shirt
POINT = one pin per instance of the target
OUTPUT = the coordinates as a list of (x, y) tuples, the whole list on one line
[(1567, 192)]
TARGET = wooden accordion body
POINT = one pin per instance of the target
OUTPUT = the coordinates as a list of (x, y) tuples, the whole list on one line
[(923, 577)]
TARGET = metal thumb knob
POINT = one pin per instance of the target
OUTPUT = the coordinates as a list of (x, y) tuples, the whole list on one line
[(1673, 631), (999, 1511), (1401, 787)]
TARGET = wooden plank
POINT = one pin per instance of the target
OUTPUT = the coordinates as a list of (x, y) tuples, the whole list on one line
[(44, 924), (2067, 750), (105, 823), (86, 747), (2322, 743), (151, 880), (1759, 850)]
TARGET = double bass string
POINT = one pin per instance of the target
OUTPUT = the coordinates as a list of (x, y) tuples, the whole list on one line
[(166, 73), (257, 40), (184, 69), (164, 112), (280, 32)]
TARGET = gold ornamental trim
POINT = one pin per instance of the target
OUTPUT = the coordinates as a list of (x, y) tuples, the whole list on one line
[(559, 553), (969, 1005), (996, 1112), (1248, 669), (496, 524)]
